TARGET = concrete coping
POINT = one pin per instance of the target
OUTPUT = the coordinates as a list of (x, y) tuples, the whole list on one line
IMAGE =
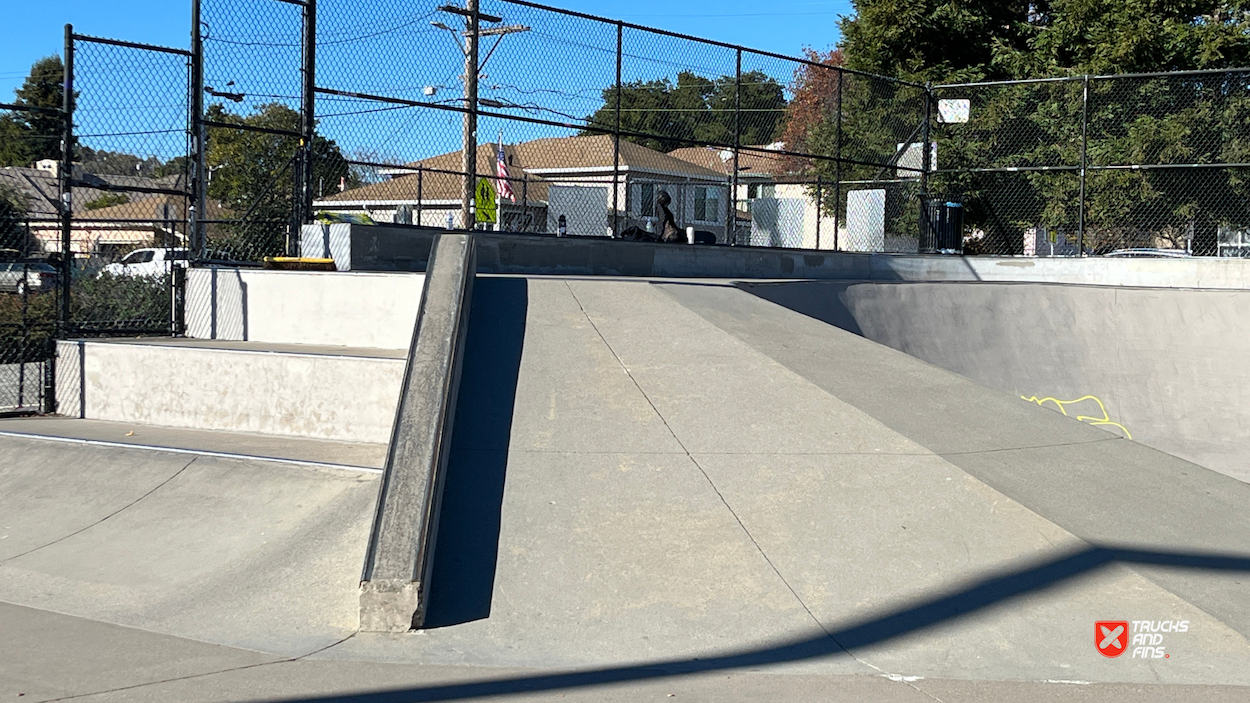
[(395, 584)]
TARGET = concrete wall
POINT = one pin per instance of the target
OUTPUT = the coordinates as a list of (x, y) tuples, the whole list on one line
[(1167, 365), (324, 396), (396, 248), (303, 307)]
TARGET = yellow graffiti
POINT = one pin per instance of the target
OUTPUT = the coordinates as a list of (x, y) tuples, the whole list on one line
[(1061, 406)]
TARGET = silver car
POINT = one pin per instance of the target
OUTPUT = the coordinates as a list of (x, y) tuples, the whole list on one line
[(20, 278)]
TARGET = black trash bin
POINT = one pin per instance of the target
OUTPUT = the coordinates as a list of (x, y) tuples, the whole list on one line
[(944, 233)]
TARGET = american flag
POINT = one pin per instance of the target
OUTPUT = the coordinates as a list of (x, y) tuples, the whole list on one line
[(501, 170)]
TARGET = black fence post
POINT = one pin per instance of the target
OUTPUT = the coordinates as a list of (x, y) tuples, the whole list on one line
[(616, 137), (926, 233), (420, 194), (199, 197), (66, 180), (733, 179), (819, 196), (525, 203), (308, 122), (837, 165), (178, 300), (1080, 225)]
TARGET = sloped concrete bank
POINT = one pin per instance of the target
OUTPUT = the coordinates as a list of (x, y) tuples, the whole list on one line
[(1161, 366)]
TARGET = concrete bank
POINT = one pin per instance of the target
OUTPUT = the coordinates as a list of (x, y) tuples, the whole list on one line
[(399, 248), (1160, 366), (395, 585)]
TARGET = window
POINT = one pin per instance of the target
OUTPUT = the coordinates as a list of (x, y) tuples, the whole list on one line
[(646, 204), (706, 204), (760, 190)]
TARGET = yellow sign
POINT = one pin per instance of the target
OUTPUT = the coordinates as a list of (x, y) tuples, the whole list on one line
[(485, 201)]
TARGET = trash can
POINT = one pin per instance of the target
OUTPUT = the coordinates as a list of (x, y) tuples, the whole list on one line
[(944, 230)]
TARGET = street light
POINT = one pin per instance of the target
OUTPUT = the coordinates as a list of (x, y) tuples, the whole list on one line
[(472, 69)]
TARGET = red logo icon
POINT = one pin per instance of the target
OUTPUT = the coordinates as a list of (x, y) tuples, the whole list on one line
[(1111, 637)]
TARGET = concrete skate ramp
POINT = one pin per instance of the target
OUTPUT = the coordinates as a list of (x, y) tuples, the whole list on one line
[(673, 482), (668, 477), (1163, 366)]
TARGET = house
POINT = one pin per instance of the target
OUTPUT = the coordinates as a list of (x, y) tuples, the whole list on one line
[(569, 177), (106, 222), (775, 206)]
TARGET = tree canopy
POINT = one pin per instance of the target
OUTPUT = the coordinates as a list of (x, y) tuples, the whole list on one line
[(1149, 120), (695, 111), (252, 174), (28, 136)]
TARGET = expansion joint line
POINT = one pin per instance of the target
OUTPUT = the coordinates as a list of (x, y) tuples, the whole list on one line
[(204, 674), (722, 498), (127, 506)]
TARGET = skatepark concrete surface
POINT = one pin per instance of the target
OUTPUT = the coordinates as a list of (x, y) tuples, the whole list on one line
[(657, 490)]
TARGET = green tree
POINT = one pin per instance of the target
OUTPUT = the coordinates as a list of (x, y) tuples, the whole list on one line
[(1130, 36), (1163, 120), (28, 136), (253, 175), (695, 110), (933, 39)]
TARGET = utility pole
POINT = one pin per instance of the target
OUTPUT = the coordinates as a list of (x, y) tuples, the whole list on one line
[(472, 69), (467, 214)]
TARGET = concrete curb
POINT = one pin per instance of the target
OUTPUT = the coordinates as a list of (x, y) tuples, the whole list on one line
[(395, 584)]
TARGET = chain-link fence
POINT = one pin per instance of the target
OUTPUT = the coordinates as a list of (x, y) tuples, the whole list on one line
[(424, 113), (29, 275), (1134, 165), (128, 189)]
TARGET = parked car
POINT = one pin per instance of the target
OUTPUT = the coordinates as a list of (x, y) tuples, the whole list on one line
[(34, 277), (1149, 253), (149, 262)]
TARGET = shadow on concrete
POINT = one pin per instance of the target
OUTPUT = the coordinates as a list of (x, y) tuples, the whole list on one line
[(822, 300), (468, 530), (963, 600)]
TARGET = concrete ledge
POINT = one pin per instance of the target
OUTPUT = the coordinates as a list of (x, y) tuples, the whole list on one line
[(328, 392), (303, 307), (395, 584), (400, 248)]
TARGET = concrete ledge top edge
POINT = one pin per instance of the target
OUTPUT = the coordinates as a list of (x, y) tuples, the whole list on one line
[(193, 344), (252, 269)]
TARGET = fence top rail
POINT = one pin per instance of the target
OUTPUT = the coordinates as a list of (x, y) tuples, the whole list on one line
[(1101, 77), (1023, 81), (701, 40), (132, 45), (1169, 74), (30, 108)]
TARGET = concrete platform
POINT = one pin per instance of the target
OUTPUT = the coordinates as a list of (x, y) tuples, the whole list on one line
[(655, 489), (302, 390)]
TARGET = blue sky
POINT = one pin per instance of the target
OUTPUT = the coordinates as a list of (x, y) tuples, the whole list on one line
[(784, 27), (556, 72)]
